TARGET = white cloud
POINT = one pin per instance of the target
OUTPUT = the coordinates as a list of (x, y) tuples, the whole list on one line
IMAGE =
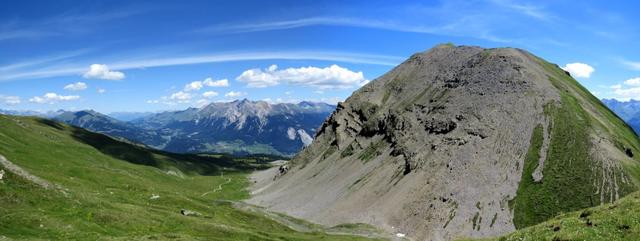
[(235, 94), (630, 89), (180, 97), (102, 71), (52, 98), (76, 86), (197, 85), (184, 97), (258, 79), (633, 81), (627, 94), (10, 100), (322, 78), (209, 94), (579, 70), (216, 83), (101, 91)]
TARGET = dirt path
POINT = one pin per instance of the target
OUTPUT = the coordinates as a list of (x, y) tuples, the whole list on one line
[(15, 169), (219, 188)]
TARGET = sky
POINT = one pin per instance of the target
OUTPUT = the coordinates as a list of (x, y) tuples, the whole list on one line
[(114, 56)]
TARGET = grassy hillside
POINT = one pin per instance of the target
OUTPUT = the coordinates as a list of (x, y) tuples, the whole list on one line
[(614, 221), (573, 177), (103, 190)]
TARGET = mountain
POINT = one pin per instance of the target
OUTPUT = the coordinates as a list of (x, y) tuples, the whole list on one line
[(31, 113), (241, 126), (61, 182), (101, 123), (238, 127), (459, 142), (629, 111), (129, 116)]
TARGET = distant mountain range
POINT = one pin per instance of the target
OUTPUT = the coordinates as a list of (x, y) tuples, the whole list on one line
[(629, 111), (45, 114), (238, 127), (101, 123), (129, 116)]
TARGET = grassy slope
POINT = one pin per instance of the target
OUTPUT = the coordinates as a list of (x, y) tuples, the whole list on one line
[(109, 185), (614, 221), (569, 173)]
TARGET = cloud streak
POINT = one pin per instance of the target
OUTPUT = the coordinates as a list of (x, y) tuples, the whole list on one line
[(59, 25), (443, 29), (526, 9), (79, 69), (632, 65)]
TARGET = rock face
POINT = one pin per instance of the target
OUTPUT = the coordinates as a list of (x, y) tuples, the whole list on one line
[(459, 142)]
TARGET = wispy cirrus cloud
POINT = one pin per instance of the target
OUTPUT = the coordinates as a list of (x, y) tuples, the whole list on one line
[(62, 24), (46, 70), (489, 20), (437, 29), (44, 60), (531, 10), (631, 64)]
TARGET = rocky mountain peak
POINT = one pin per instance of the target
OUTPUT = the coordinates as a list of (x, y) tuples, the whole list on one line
[(459, 142)]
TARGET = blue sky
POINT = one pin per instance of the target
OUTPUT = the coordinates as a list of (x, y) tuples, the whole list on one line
[(166, 55)]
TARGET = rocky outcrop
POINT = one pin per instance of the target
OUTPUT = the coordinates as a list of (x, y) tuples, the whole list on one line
[(438, 147)]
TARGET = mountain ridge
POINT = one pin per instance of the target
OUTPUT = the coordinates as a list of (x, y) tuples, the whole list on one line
[(238, 127), (448, 144)]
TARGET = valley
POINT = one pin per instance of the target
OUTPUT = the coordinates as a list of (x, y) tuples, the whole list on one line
[(455, 143), (248, 120), (105, 189), (241, 127)]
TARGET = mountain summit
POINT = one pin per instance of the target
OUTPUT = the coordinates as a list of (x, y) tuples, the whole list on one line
[(459, 142)]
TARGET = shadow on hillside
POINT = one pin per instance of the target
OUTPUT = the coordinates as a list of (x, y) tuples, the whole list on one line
[(51, 123), (202, 164), (114, 148), (137, 154)]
